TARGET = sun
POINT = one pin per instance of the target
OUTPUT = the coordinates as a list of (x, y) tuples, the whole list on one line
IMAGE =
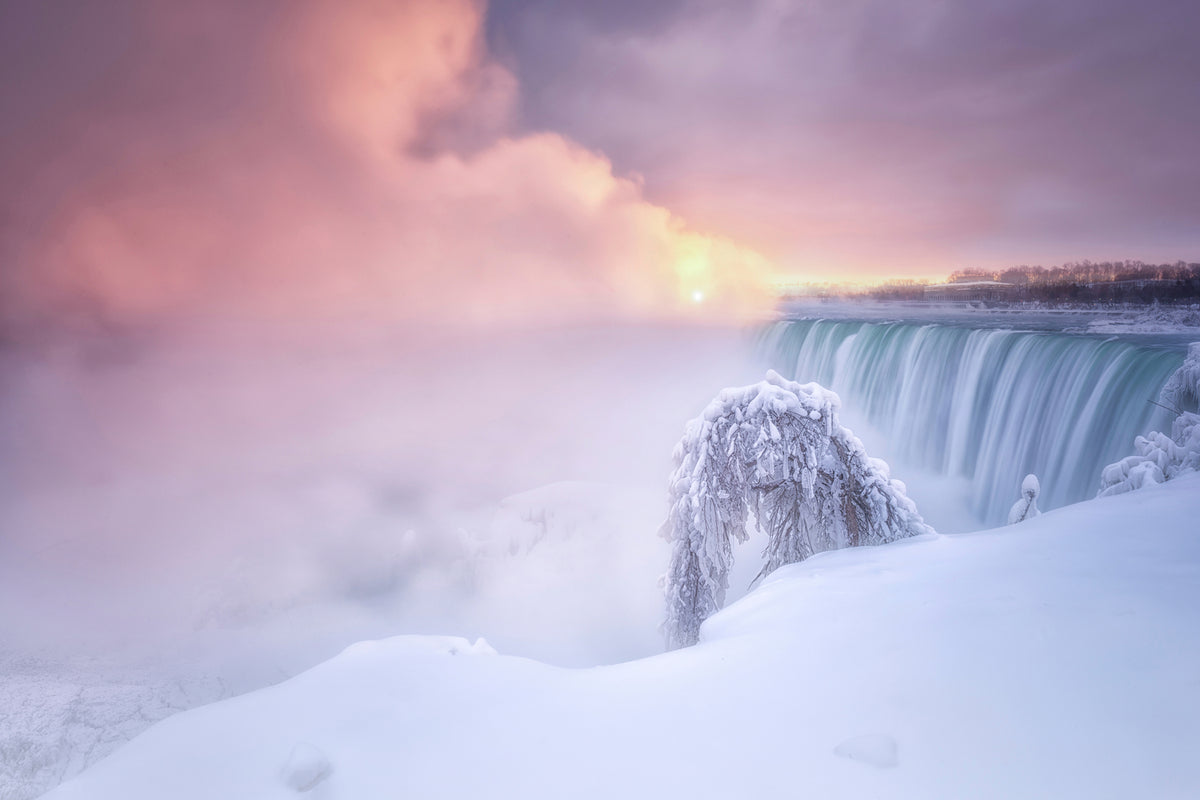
[(697, 296)]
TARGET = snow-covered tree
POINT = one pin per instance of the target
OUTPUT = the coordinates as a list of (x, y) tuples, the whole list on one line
[(1181, 392), (1026, 507), (1158, 457), (774, 449)]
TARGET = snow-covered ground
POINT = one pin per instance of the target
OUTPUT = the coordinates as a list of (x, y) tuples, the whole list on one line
[(58, 716), (181, 522), (1055, 658), (1153, 320)]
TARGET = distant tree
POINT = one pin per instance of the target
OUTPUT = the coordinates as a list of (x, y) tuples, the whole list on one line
[(776, 449), (1026, 507)]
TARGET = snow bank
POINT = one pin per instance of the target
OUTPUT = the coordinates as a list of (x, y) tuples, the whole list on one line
[(1053, 659), (1156, 319)]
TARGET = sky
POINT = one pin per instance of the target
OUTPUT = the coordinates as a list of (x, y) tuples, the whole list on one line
[(869, 137), (548, 161)]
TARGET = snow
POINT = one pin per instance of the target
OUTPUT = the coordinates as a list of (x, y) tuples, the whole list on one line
[(1155, 319), (1056, 658), (872, 748), (305, 768), (1182, 390), (1158, 457), (810, 489), (219, 515), (57, 717), (1026, 507)]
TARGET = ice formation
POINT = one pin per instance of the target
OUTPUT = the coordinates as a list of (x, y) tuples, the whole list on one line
[(1159, 457)]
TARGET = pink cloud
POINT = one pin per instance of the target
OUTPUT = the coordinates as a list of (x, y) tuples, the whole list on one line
[(362, 166)]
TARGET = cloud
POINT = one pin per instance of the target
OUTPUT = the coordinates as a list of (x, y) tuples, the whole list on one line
[(866, 137), (319, 161)]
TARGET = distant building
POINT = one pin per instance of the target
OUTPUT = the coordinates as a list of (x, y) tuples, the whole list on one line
[(970, 291)]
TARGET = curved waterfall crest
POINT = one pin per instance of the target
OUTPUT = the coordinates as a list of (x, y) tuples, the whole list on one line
[(989, 405)]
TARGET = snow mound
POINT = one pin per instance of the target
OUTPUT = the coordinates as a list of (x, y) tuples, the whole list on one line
[(305, 767), (1053, 659)]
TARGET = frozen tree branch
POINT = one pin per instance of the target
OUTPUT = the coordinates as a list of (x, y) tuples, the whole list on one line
[(775, 449)]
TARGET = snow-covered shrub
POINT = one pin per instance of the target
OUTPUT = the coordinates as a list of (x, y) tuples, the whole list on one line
[(1026, 507), (1158, 457), (775, 449)]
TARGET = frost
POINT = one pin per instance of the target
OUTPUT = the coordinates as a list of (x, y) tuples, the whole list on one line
[(774, 449), (1026, 507)]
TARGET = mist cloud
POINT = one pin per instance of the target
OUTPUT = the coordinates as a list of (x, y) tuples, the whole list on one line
[(317, 161)]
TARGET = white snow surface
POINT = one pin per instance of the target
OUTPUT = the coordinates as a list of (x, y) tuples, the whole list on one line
[(1059, 658), (1154, 319)]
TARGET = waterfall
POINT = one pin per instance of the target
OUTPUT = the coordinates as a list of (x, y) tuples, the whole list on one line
[(984, 404)]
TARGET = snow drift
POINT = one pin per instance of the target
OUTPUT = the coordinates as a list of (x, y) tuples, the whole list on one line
[(1052, 659)]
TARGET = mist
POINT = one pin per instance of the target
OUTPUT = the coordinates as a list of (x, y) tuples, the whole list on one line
[(280, 331), (158, 489)]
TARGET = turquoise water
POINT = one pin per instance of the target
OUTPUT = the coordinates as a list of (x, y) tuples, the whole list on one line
[(987, 405)]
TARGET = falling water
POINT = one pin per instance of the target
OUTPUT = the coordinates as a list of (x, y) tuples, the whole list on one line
[(986, 405)]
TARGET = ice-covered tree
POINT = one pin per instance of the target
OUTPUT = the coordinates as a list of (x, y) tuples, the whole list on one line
[(1026, 507), (1158, 457), (776, 450), (1181, 392)]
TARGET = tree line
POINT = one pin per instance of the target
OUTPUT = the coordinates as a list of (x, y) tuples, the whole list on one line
[(1073, 282)]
